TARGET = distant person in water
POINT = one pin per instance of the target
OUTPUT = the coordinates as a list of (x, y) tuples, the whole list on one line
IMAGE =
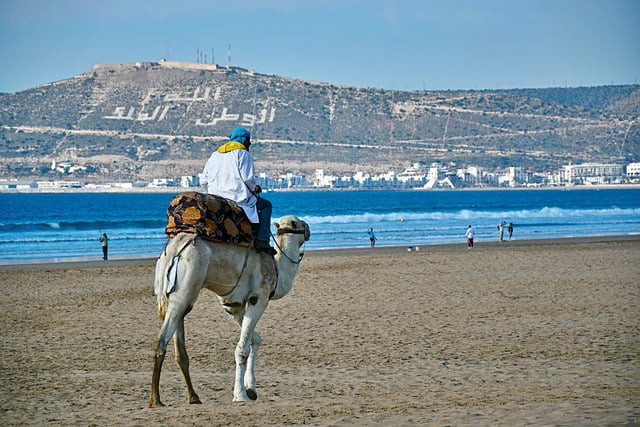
[(501, 230), (469, 235), (372, 238), (510, 229), (105, 246)]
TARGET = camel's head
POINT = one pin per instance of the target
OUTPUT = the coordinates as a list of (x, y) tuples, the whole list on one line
[(292, 225)]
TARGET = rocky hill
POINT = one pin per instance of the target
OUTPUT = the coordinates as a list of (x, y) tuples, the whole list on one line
[(137, 121)]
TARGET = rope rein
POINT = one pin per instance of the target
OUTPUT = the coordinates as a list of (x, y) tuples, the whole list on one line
[(288, 231), (244, 266)]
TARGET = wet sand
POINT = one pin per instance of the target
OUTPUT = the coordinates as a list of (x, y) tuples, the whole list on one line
[(519, 333)]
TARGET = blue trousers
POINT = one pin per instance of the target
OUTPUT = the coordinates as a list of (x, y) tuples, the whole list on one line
[(264, 215)]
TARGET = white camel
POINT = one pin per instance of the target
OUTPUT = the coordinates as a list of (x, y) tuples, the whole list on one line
[(244, 281)]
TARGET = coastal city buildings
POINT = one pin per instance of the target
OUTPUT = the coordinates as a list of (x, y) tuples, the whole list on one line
[(418, 176)]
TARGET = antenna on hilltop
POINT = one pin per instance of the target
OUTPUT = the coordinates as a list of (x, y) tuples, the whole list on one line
[(229, 55)]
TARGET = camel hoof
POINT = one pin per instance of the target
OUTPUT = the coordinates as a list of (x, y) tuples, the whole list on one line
[(195, 400), (155, 404), (252, 394)]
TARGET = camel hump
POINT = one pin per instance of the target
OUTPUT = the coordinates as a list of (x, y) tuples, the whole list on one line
[(209, 216)]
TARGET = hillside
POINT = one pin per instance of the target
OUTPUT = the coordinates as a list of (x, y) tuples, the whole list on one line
[(155, 119)]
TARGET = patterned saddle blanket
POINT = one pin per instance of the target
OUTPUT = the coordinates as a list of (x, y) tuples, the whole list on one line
[(210, 217)]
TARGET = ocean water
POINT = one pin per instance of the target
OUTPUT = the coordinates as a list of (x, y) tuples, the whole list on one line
[(45, 226)]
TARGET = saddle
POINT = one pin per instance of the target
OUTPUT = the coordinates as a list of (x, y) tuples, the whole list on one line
[(211, 217)]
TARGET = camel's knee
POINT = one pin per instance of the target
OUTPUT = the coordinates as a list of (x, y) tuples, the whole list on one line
[(159, 354), (161, 343), (159, 350), (256, 339), (242, 353)]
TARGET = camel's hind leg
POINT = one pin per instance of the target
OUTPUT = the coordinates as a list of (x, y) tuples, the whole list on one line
[(189, 278), (183, 360), (159, 350), (173, 323)]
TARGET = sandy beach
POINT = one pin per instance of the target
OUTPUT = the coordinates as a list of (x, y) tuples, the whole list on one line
[(519, 333)]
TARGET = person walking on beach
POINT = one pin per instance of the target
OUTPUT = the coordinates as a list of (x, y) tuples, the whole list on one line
[(230, 173), (469, 235), (372, 238), (501, 230), (105, 246), (510, 229)]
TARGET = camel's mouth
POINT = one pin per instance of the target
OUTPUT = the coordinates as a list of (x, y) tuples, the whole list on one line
[(294, 227)]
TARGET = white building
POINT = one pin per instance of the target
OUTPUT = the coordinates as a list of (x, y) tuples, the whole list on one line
[(470, 175), (633, 170), (66, 167), (122, 185), (592, 173), (56, 185), (291, 180), (14, 184), (514, 176), (436, 172), (163, 182), (324, 180), (190, 181), (413, 176)]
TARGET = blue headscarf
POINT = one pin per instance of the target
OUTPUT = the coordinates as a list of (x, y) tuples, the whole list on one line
[(240, 135)]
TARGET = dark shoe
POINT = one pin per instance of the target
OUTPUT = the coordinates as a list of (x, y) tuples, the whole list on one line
[(262, 246)]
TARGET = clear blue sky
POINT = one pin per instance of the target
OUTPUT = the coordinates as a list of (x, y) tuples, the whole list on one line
[(392, 44)]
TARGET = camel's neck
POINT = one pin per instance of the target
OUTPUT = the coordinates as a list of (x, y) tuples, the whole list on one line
[(286, 269)]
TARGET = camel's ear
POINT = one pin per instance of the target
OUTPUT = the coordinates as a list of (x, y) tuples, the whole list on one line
[(276, 224)]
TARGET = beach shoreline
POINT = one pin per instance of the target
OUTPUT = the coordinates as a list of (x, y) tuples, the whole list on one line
[(145, 259)]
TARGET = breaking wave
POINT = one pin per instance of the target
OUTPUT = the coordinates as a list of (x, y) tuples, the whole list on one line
[(466, 214)]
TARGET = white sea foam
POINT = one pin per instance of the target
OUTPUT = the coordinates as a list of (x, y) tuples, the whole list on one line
[(467, 214)]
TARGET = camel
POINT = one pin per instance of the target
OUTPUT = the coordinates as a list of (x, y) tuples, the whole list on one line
[(244, 281)]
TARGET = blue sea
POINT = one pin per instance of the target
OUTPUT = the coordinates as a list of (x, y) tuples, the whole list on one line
[(47, 226)]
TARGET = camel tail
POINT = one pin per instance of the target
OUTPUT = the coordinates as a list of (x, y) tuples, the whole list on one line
[(160, 285), (165, 280)]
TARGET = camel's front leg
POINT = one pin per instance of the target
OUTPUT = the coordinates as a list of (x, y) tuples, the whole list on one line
[(250, 373), (252, 314)]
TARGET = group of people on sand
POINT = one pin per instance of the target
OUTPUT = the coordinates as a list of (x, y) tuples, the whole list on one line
[(469, 234), (501, 225)]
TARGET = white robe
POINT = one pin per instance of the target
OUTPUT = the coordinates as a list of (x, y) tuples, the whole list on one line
[(232, 175)]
